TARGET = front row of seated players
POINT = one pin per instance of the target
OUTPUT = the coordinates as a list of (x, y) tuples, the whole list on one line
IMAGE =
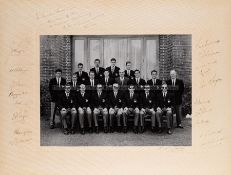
[(115, 107)]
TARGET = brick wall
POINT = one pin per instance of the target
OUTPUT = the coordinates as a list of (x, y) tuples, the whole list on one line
[(55, 52), (174, 52)]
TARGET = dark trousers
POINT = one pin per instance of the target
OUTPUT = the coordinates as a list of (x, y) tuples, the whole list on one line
[(53, 112), (178, 109)]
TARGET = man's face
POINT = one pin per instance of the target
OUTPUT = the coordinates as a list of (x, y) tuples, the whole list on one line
[(82, 88), (128, 66), (115, 89), (74, 78), (113, 63), (106, 73), (80, 67), (121, 73), (67, 88), (58, 74), (164, 88), (173, 75), (137, 74), (154, 75), (92, 75), (97, 63), (147, 90), (131, 90), (99, 88)]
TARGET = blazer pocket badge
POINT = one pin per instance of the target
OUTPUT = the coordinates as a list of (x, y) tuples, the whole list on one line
[(86, 100), (119, 100), (150, 101), (103, 100), (83, 79), (169, 101), (135, 101), (100, 75)]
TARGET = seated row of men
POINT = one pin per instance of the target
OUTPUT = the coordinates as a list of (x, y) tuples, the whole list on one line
[(113, 106), (114, 75)]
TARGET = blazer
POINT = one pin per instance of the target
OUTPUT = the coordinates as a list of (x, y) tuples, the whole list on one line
[(115, 73), (64, 101), (83, 101), (148, 102), (166, 102), (107, 86), (178, 92), (132, 102), (83, 78), (76, 88), (133, 82), (101, 101), (117, 101), (132, 74), (158, 82), (54, 89), (90, 88), (125, 82), (100, 74)]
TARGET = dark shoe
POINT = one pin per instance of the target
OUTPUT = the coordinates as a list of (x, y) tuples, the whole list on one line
[(111, 129), (105, 130), (90, 130), (52, 126), (169, 131), (135, 129), (125, 129), (142, 129), (119, 129), (153, 129), (65, 131), (180, 126), (82, 131), (97, 129), (159, 131), (72, 131)]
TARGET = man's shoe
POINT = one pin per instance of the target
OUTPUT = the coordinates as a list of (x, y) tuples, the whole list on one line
[(135, 129), (72, 131), (125, 129), (180, 126), (119, 129), (159, 131), (97, 129), (169, 131), (105, 130), (90, 130), (52, 126), (65, 131), (82, 131), (142, 129), (111, 129)]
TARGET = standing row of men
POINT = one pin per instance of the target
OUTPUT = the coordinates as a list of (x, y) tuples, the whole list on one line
[(105, 91)]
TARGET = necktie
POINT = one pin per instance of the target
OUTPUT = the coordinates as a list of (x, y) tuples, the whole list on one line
[(115, 93), (154, 81), (131, 95), (173, 82), (146, 95), (122, 81), (128, 72), (106, 81), (67, 94), (137, 81), (82, 94), (74, 84), (59, 82), (97, 70), (80, 73)]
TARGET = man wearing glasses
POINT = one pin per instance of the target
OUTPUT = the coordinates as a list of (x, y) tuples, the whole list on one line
[(164, 106)]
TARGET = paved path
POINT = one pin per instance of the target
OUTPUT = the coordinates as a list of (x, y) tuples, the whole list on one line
[(54, 137)]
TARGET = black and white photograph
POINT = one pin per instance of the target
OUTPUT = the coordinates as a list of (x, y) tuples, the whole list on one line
[(116, 90)]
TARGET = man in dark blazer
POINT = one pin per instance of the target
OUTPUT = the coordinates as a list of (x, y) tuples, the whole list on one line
[(116, 105), (148, 106), (107, 82), (82, 76), (128, 72), (165, 104), (67, 109), (154, 82), (100, 105), (113, 69), (55, 87), (131, 107), (177, 88), (84, 108), (99, 71), (122, 81), (91, 83), (74, 83), (137, 82)]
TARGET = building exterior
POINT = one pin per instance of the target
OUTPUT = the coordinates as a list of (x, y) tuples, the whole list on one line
[(146, 52)]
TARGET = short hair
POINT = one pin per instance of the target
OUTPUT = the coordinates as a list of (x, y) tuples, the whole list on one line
[(99, 84), (173, 70), (97, 60), (113, 59), (80, 64), (74, 74), (68, 84), (164, 83), (153, 71), (92, 72), (127, 62), (58, 70), (137, 70)]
